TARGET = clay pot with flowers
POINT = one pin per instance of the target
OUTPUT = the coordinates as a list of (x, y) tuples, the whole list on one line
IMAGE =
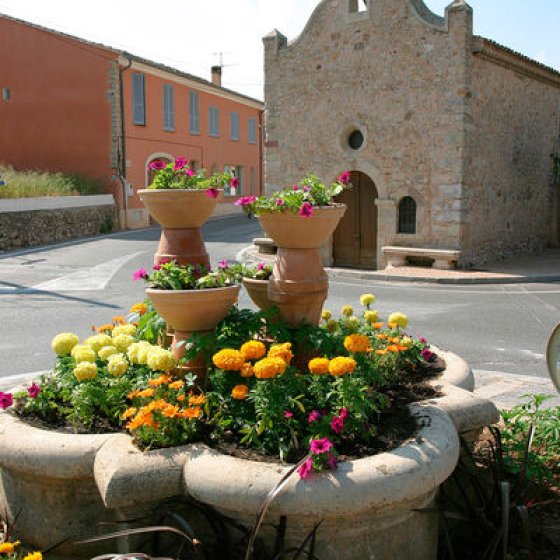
[(191, 299), (181, 200), (255, 281), (299, 219)]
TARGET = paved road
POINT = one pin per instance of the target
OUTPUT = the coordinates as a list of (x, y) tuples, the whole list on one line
[(497, 328)]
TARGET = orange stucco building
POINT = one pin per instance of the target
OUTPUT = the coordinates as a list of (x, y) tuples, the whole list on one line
[(70, 105)]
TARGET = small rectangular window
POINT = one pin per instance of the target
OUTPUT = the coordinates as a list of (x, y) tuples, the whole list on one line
[(357, 6), (6, 94), (194, 126), (252, 131), (214, 114), (168, 108), (138, 99), (234, 122)]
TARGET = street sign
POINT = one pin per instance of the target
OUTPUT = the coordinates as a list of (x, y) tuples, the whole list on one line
[(553, 357)]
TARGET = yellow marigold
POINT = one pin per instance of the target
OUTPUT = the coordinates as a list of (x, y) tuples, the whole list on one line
[(228, 360), (98, 341), (157, 381), (399, 319), (341, 366), (105, 328), (407, 341), (160, 359), (82, 353), (139, 308), (196, 400), (239, 392), (137, 352), (117, 365), (247, 370), (85, 370), (357, 343), (352, 323), (318, 366), (127, 328), (332, 325), (33, 556), (347, 310), (326, 315), (371, 316), (128, 413), (122, 341), (177, 384), (367, 299), (270, 367), (118, 320), (253, 350), (283, 351), (9, 547), (63, 343), (191, 413), (107, 351)]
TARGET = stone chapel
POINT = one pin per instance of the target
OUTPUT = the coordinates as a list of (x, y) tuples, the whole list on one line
[(451, 138)]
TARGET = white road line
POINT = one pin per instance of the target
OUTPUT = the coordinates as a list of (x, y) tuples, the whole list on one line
[(90, 279)]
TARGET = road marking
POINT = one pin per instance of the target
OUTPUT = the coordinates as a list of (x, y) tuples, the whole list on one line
[(90, 279)]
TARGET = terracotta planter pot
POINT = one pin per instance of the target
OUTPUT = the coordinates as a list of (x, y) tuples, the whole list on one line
[(292, 231), (258, 292)]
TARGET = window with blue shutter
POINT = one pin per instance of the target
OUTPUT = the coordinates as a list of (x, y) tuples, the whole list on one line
[(138, 99), (168, 108), (252, 131), (194, 126), (214, 121), (234, 121)]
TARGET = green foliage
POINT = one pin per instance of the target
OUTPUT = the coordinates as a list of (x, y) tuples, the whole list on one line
[(25, 184), (178, 175), (151, 326), (172, 276)]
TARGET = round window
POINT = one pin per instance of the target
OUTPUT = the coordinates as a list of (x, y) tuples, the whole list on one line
[(356, 139)]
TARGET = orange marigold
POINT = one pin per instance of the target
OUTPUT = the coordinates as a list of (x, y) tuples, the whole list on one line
[(341, 365), (139, 308), (253, 350), (381, 352), (377, 325), (393, 348), (283, 351), (191, 413), (381, 336), (118, 320), (170, 411), (228, 360), (391, 325), (239, 392), (177, 384), (268, 368), (319, 366), (247, 370), (157, 381), (143, 418), (195, 400), (357, 343), (128, 413), (145, 393), (105, 328), (181, 398)]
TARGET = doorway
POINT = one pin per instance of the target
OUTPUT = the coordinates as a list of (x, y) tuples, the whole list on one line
[(355, 238)]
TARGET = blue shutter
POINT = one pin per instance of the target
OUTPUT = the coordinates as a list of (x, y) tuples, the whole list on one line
[(168, 108), (138, 100), (234, 121), (193, 113), (252, 131), (214, 121)]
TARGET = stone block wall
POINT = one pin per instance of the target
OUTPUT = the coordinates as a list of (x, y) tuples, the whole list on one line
[(31, 227)]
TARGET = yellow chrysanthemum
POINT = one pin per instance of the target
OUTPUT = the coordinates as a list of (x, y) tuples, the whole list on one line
[(247, 370), (127, 328), (347, 310), (367, 299), (122, 342), (98, 341), (228, 360), (107, 351), (33, 556), (63, 343), (341, 366), (139, 308), (253, 350), (352, 323), (283, 351), (160, 359), (406, 341), (117, 364), (357, 343), (399, 319), (332, 325), (319, 366), (371, 316), (85, 370), (239, 392), (326, 315), (9, 547), (82, 353), (137, 352), (270, 367)]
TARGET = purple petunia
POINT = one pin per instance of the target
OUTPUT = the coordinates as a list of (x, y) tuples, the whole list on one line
[(427, 354)]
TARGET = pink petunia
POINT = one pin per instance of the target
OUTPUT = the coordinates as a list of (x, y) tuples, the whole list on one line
[(343, 413), (157, 165), (180, 162), (189, 172), (140, 274), (306, 469), (212, 192), (34, 390), (6, 400), (344, 178), (320, 445), (423, 340), (260, 266), (157, 267), (280, 202), (295, 188), (314, 415), (306, 210), (234, 182), (337, 424), (223, 264), (245, 200), (427, 354), (288, 413)]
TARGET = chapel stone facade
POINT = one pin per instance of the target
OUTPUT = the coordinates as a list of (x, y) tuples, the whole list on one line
[(448, 135)]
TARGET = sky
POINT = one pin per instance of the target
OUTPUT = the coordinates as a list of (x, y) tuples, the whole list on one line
[(191, 34)]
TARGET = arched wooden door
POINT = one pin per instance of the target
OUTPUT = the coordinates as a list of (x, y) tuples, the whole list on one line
[(355, 238)]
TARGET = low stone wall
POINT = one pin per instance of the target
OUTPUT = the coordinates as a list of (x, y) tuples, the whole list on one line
[(38, 221)]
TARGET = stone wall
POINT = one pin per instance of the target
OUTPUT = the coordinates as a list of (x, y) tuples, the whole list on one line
[(30, 223), (508, 195)]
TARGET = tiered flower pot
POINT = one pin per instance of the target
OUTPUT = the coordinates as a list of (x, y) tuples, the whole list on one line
[(299, 284), (181, 213), (258, 292)]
